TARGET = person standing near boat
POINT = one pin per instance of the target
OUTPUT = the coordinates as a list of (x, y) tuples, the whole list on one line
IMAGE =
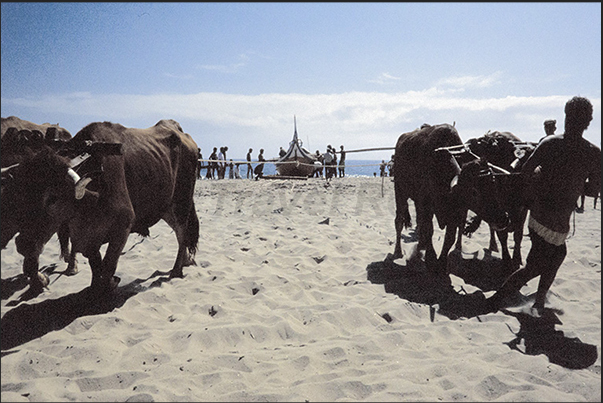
[(249, 167), (212, 164), (259, 169), (341, 162), (318, 168), (327, 162), (221, 163)]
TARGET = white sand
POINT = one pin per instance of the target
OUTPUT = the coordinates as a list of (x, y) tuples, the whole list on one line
[(280, 308)]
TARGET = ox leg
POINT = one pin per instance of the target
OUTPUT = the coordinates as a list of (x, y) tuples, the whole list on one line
[(506, 256), (31, 254), (449, 237), (187, 234), (103, 269), (459, 240), (493, 247), (96, 265), (63, 234), (399, 222), (517, 238), (425, 232), (109, 267), (402, 219)]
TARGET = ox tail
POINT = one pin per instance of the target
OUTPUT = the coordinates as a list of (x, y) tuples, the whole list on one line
[(191, 234)]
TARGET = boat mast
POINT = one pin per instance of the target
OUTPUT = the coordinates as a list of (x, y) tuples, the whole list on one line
[(294, 129)]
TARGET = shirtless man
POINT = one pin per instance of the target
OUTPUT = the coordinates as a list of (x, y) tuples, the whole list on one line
[(555, 174)]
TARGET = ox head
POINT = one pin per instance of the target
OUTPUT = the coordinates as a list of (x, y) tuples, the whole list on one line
[(472, 186), (38, 194), (479, 189)]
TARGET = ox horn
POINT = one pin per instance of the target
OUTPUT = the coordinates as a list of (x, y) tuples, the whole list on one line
[(7, 169), (80, 183)]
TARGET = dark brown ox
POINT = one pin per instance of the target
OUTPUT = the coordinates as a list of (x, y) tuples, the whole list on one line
[(22, 138), (507, 152), (153, 178), (426, 172)]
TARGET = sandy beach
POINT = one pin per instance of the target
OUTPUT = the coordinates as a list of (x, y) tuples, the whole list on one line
[(292, 299)]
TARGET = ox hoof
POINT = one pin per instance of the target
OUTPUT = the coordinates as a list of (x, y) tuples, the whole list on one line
[(38, 283), (113, 283), (71, 270), (43, 280)]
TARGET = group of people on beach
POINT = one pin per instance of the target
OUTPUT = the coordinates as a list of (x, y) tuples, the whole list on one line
[(332, 168), (217, 165)]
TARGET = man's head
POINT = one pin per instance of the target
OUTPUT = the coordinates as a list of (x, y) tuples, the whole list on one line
[(550, 126), (578, 114)]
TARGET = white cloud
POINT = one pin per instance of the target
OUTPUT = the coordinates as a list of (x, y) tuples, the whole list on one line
[(228, 68), (384, 78), (470, 82)]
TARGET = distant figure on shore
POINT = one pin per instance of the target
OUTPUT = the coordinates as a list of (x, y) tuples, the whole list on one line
[(341, 162), (589, 188), (327, 162), (221, 163), (249, 167), (199, 162), (551, 189), (382, 168), (231, 169), (550, 125), (318, 170), (212, 167), (334, 163), (390, 166), (259, 169)]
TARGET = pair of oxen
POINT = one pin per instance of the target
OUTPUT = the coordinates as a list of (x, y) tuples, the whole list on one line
[(109, 181), (446, 178), (94, 189)]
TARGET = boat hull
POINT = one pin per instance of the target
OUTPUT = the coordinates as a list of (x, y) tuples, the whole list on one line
[(296, 166)]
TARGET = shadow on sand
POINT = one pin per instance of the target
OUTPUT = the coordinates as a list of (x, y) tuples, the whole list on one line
[(26, 321), (540, 337), (414, 282)]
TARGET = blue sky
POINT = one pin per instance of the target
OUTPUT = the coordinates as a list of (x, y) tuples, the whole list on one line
[(357, 74)]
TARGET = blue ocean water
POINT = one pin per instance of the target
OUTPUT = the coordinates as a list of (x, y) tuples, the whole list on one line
[(352, 168)]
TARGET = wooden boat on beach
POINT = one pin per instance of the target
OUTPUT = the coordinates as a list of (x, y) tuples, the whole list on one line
[(298, 161)]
